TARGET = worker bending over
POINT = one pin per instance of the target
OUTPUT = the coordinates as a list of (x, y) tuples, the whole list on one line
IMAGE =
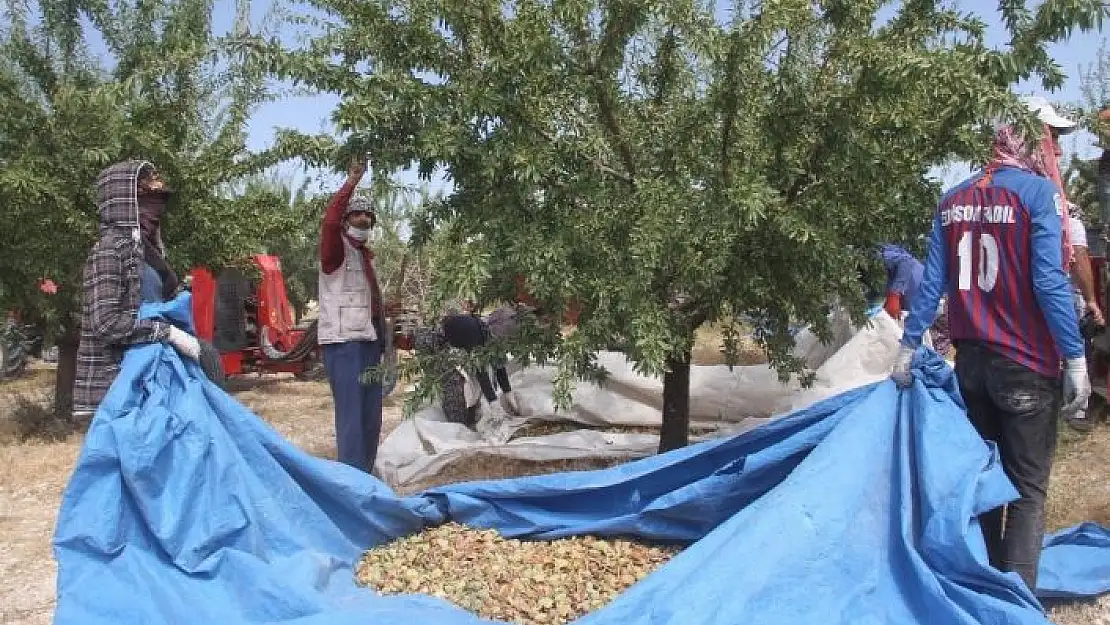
[(903, 278)]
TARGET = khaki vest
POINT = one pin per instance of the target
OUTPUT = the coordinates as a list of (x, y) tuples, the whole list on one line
[(346, 313)]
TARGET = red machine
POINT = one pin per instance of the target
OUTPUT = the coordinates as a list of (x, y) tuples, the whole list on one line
[(1097, 340), (1098, 361), (249, 320)]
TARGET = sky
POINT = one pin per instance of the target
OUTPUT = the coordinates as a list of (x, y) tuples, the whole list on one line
[(311, 113)]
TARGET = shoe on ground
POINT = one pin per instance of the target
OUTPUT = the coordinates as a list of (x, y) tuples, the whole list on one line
[(1081, 422)]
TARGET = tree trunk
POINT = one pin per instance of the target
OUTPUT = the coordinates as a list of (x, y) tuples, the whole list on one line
[(675, 432), (66, 373)]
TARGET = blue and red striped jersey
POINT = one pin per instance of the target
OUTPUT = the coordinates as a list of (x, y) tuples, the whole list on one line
[(996, 249)]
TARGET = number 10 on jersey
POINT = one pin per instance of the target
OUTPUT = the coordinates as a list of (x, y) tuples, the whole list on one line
[(987, 274)]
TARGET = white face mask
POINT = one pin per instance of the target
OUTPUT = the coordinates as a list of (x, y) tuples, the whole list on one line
[(358, 234)]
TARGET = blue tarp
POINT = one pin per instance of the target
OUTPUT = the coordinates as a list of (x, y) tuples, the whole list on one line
[(186, 508)]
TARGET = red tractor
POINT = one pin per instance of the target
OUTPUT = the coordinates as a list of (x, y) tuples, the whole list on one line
[(249, 321)]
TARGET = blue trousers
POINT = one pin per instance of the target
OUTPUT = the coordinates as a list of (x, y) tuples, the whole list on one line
[(358, 406)]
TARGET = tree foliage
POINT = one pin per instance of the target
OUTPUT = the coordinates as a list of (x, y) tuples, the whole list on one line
[(667, 164), (162, 86), (1082, 183), (1082, 174), (298, 244)]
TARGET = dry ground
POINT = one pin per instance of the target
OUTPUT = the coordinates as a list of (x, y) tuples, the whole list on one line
[(33, 475)]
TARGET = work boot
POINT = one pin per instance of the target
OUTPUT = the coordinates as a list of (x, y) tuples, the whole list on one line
[(1081, 422)]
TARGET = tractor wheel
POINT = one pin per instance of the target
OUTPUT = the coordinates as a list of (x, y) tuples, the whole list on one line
[(13, 357), (212, 365)]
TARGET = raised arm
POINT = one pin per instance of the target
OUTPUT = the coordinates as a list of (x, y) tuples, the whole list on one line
[(331, 231)]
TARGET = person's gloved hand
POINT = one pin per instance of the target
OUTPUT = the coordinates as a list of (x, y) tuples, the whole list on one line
[(186, 344), (1096, 312), (1077, 387), (893, 305), (901, 374)]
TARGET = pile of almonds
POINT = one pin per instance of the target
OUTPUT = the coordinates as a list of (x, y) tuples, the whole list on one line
[(525, 582)]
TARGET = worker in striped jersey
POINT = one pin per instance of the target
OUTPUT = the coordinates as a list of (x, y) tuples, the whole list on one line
[(997, 247)]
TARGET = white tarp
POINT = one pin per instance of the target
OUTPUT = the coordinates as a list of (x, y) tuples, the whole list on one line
[(721, 402)]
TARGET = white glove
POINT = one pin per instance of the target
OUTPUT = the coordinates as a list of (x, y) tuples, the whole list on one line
[(1077, 387), (901, 374), (186, 344)]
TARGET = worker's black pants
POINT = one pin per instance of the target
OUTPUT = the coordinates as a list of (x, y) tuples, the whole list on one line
[(1016, 408)]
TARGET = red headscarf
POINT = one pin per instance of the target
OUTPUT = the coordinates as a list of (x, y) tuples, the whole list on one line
[(1011, 150)]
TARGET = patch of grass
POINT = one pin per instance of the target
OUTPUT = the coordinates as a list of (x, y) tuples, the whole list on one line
[(1079, 491), (709, 348), (35, 377), (34, 419)]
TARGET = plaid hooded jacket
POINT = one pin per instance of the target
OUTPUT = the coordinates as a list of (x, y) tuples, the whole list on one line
[(110, 296)]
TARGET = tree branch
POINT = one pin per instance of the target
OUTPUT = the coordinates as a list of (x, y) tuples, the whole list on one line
[(612, 126), (730, 106), (596, 161), (805, 179), (664, 65), (699, 318), (493, 33), (605, 169), (685, 305), (741, 33), (622, 21)]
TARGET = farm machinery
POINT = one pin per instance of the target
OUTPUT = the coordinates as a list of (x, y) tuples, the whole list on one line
[(18, 341), (248, 322)]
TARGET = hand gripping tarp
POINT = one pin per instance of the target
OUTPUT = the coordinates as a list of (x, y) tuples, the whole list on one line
[(186, 508)]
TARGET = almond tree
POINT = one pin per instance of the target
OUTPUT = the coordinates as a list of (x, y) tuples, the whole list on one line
[(1083, 175), (170, 91), (667, 167)]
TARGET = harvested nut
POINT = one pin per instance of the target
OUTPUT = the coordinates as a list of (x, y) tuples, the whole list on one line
[(526, 582)]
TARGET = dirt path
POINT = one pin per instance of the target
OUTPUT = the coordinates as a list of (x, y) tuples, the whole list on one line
[(33, 475), (31, 481)]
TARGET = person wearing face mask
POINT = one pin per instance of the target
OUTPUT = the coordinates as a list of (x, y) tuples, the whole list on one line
[(126, 267), (352, 325)]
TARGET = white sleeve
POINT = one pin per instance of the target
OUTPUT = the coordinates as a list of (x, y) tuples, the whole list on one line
[(1077, 232)]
